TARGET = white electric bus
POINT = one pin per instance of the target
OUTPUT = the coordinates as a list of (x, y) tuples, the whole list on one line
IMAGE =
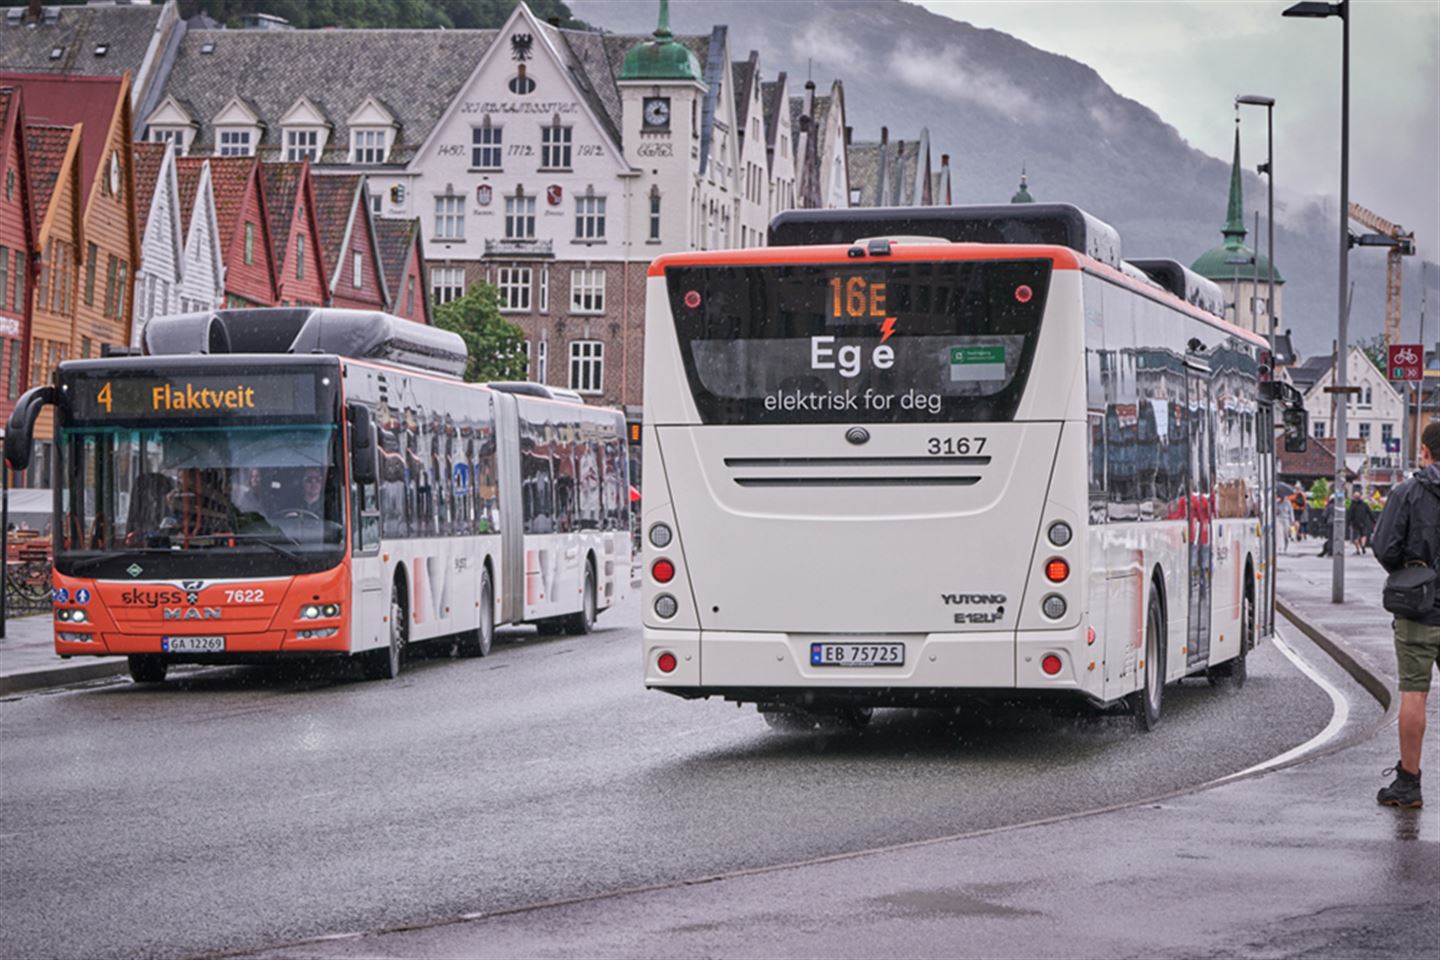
[(901, 457), (304, 483)]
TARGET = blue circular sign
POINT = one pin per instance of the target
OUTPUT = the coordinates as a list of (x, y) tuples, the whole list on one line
[(61, 595), (82, 595)]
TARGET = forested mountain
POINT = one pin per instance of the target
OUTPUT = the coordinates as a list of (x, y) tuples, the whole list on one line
[(396, 14)]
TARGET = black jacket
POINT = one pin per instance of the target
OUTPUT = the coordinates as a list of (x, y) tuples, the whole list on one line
[(1409, 527), (1359, 520)]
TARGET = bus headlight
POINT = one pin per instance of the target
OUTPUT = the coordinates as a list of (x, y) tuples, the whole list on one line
[(63, 614), (331, 610), (666, 606), (1060, 533), (71, 615), (1053, 606), (310, 612), (660, 535)]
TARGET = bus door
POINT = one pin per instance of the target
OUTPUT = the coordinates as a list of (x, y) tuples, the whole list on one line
[(512, 512), (1198, 512), (1270, 516)]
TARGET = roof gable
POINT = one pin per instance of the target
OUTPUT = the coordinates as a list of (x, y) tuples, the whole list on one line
[(304, 113), (396, 240), (149, 161), (236, 112), (336, 197), (371, 113), (49, 149), (98, 103)]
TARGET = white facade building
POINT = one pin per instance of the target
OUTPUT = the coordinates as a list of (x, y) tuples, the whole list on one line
[(1375, 414)]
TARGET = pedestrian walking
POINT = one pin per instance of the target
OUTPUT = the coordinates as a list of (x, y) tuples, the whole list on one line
[(1359, 521), (1298, 505), (1408, 537), (1326, 524)]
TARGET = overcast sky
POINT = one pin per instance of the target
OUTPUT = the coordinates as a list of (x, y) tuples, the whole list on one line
[(1187, 59)]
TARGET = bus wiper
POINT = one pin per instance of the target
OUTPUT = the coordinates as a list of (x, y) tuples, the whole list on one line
[(285, 552), (85, 563)]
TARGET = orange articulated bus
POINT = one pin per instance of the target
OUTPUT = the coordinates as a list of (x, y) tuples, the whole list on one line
[(304, 483)]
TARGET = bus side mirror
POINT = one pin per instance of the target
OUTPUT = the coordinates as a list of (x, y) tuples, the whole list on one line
[(1297, 429), (21, 428), (362, 444)]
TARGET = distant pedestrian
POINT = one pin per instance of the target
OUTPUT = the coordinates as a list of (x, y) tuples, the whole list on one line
[(1327, 527), (1298, 505), (1359, 521), (1284, 514), (1408, 534)]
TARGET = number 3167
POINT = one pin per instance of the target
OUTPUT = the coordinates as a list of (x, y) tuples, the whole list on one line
[(954, 446)]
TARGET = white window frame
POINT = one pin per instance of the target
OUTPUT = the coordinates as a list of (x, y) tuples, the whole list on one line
[(235, 141), (1364, 428), (556, 144), (449, 217), (357, 269), (377, 203), (590, 219), (587, 366), (520, 217), (487, 142), (544, 288), (587, 290), (654, 215), (1319, 429), (542, 362), (369, 145), (514, 284), (177, 137), (302, 143), (446, 284)]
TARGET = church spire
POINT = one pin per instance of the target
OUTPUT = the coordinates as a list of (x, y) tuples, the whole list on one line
[(1235, 216), (662, 30)]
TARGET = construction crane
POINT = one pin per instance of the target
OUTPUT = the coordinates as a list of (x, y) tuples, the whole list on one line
[(1401, 243)]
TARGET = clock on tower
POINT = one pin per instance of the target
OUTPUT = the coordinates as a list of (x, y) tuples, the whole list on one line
[(656, 113)]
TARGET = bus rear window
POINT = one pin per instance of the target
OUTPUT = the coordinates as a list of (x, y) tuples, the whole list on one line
[(875, 342)]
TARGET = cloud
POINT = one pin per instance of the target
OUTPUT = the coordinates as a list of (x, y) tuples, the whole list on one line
[(831, 48), (946, 73)]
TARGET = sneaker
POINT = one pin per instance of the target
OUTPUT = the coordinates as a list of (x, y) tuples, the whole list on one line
[(1404, 790)]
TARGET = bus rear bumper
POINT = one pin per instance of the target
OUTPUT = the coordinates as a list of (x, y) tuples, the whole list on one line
[(710, 663), (246, 646)]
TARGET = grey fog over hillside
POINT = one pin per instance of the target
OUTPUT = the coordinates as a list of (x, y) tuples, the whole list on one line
[(995, 103)]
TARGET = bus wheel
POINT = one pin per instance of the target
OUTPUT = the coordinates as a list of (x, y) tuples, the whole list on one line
[(384, 662), (147, 668), (583, 622), (1146, 701), (1232, 672), (477, 642)]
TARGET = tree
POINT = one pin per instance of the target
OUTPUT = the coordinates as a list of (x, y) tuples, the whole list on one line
[(496, 346), (1375, 348), (1319, 493)]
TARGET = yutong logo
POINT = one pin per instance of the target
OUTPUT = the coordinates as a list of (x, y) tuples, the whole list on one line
[(997, 600)]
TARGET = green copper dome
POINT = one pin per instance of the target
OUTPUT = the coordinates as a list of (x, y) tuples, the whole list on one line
[(662, 57), (1233, 260), (1022, 195)]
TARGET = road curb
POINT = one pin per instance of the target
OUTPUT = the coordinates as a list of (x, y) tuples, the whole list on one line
[(1374, 684), (61, 675)]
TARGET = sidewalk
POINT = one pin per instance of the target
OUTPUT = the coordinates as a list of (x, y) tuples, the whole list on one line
[(28, 660), (1298, 862)]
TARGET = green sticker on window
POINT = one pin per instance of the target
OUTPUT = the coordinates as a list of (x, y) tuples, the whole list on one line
[(983, 362)]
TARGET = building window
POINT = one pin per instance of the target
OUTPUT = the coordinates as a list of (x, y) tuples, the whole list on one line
[(525, 349), (368, 146), (544, 288), (121, 307), (450, 218), (19, 302), (235, 143), (446, 284), (1364, 431), (175, 136), (249, 242), (357, 269), (1319, 429), (542, 363), (300, 256), (555, 146), (1387, 433), (587, 366), (376, 204), (655, 214), (4, 275), (302, 145), (485, 143), (514, 289), (587, 291), (589, 218), (410, 296), (13, 390), (91, 256), (110, 265), (519, 217)]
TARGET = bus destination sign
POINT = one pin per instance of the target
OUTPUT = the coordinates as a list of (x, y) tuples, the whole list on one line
[(180, 396)]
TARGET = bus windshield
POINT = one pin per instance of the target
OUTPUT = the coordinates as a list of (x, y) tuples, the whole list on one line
[(200, 501), (858, 342)]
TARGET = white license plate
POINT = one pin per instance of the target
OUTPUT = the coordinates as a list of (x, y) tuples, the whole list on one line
[(192, 644), (857, 654)]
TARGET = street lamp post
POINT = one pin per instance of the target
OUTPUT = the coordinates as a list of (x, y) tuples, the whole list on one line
[(1318, 9), (1267, 168)]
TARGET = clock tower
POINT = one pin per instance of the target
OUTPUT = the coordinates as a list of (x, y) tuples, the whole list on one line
[(661, 86)]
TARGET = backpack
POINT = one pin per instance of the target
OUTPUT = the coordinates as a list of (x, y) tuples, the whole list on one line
[(1410, 591)]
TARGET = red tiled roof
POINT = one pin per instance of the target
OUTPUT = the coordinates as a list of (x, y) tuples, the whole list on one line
[(334, 200), (1318, 460), (63, 100), (395, 238), (282, 183), (45, 146), (6, 95), (187, 176), (230, 182), (148, 159)]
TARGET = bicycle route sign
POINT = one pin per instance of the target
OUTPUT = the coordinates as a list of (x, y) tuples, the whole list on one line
[(1406, 362)]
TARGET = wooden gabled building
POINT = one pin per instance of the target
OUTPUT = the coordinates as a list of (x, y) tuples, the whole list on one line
[(348, 243), (402, 256), (17, 245), (244, 225), (157, 205), (295, 234), (202, 277)]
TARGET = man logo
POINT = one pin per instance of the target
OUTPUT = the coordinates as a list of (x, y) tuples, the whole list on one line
[(192, 613)]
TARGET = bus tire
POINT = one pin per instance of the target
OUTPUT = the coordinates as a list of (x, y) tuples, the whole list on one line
[(583, 622), (1149, 699), (477, 642), (147, 667), (384, 662), (1232, 672)]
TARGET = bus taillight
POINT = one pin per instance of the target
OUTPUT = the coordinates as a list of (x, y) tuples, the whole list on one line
[(667, 663), (1057, 570), (1023, 293), (1051, 664), (663, 571)]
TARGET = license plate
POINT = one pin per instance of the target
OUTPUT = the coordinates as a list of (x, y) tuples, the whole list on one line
[(192, 644), (857, 654)]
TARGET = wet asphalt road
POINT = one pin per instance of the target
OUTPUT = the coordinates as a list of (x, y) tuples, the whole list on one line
[(241, 808)]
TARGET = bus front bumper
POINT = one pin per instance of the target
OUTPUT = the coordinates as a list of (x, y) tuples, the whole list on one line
[(709, 662)]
